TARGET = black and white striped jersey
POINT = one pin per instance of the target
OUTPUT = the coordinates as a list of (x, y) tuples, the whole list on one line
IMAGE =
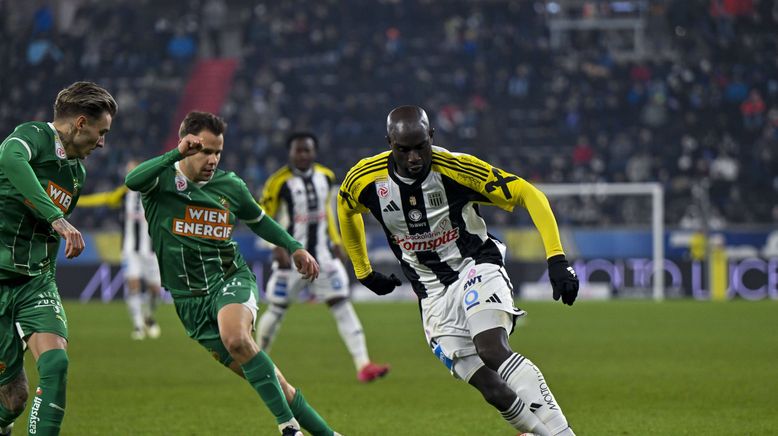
[(432, 223), (136, 237), (301, 201)]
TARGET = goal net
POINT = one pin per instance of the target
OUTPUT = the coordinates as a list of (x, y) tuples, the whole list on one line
[(613, 233)]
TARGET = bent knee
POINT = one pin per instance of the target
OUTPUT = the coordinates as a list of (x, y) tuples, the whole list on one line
[(53, 363), (493, 355), (240, 345)]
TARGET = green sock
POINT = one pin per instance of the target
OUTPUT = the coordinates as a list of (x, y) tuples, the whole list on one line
[(7, 417), (308, 418), (261, 374), (48, 406)]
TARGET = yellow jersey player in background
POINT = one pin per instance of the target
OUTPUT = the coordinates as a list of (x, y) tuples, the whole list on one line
[(426, 198), (298, 195)]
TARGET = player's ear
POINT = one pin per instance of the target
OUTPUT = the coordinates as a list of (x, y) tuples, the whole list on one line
[(389, 141), (80, 121), (432, 133)]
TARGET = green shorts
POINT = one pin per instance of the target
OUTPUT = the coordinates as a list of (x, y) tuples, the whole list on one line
[(199, 313), (26, 308)]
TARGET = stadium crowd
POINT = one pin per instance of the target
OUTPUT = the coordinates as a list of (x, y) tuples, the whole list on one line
[(699, 109)]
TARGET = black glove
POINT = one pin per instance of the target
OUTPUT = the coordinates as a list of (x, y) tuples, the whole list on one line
[(564, 281), (379, 283)]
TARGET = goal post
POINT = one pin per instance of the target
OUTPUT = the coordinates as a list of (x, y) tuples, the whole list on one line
[(653, 190)]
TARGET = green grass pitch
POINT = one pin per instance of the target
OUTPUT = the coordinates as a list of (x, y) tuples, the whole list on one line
[(617, 368)]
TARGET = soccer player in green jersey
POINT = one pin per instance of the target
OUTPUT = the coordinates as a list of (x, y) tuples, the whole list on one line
[(41, 177), (191, 208)]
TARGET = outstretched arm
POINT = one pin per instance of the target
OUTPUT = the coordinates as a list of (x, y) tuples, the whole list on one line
[(539, 210), (505, 190), (564, 280), (268, 229)]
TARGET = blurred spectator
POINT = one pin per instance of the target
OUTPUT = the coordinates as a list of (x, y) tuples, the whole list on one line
[(181, 46), (702, 106), (753, 109)]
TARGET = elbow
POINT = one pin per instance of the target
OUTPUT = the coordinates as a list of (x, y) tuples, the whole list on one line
[(131, 185)]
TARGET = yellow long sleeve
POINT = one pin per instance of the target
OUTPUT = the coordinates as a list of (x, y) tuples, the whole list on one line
[(111, 199), (352, 228), (539, 210)]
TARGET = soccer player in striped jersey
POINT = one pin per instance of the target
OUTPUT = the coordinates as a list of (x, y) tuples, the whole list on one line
[(140, 264), (426, 198), (299, 195), (138, 258), (192, 208), (41, 177)]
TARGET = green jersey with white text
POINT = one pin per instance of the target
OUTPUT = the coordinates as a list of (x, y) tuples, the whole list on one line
[(38, 185), (191, 223)]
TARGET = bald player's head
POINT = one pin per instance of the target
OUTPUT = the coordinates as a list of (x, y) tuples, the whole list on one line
[(409, 135), (406, 120)]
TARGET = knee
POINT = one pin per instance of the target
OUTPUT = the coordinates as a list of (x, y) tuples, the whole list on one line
[(53, 363), (332, 302), (493, 354), (237, 345)]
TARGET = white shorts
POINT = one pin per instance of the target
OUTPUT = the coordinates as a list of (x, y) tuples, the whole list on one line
[(285, 284), (140, 266), (445, 315)]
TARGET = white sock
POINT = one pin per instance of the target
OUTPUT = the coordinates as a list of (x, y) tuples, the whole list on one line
[(351, 331), (519, 416), (149, 304), (136, 313), (145, 299), (529, 384), (269, 324)]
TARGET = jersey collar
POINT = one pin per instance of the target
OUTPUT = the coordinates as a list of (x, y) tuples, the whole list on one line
[(59, 149), (200, 184), (307, 173), (404, 180)]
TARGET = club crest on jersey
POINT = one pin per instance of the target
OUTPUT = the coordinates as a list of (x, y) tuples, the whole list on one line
[(59, 150), (382, 188), (414, 215), (412, 200), (59, 195), (181, 183), (435, 199)]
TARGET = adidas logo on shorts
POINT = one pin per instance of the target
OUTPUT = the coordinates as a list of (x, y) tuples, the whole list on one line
[(494, 299)]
